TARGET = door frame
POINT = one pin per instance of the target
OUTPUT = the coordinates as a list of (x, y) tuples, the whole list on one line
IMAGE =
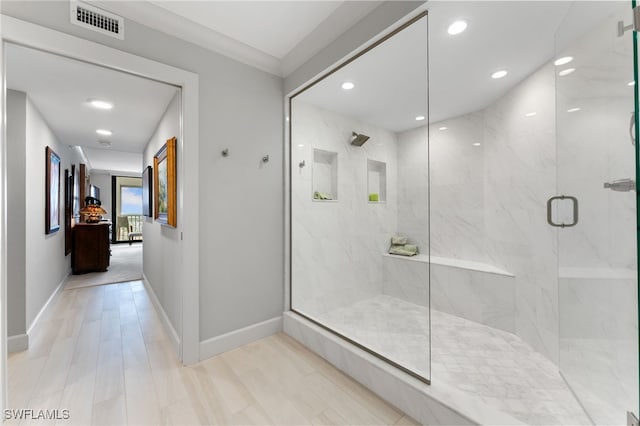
[(34, 36)]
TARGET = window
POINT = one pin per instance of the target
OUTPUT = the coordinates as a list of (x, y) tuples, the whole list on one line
[(130, 200)]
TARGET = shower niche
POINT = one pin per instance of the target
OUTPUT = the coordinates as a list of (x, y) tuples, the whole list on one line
[(376, 181), (325, 175)]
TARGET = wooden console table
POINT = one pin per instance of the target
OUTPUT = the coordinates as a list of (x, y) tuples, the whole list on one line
[(91, 251)]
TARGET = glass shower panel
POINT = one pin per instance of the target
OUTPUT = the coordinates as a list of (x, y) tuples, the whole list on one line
[(597, 258), (359, 176)]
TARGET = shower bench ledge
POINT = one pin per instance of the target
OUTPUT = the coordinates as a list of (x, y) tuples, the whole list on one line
[(456, 263)]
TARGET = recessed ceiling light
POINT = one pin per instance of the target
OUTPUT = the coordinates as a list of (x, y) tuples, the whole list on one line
[(476, 144), (499, 74), (420, 118), (300, 145), (96, 103), (631, 83), (104, 132), (530, 114), (347, 85), (443, 128), (566, 72), (457, 27), (563, 61), (573, 109)]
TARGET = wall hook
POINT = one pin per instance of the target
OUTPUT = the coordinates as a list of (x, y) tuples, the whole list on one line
[(302, 164), (225, 152), (265, 159)]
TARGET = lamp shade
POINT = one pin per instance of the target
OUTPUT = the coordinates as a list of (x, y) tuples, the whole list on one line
[(92, 213)]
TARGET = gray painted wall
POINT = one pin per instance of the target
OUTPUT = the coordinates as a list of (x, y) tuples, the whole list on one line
[(16, 199), (46, 264), (241, 205), (31, 279), (103, 181), (162, 244)]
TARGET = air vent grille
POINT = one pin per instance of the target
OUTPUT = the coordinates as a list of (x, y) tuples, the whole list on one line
[(96, 19)]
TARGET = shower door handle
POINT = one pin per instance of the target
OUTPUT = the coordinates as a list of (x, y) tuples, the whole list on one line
[(632, 132), (574, 202)]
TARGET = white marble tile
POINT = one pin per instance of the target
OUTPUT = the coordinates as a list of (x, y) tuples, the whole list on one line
[(488, 204), (496, 367), (487, 298), (436, 404), (598, 343), (482, 372), (336, 245)]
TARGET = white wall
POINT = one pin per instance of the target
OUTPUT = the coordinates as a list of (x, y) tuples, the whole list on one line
[(240, 108), (488, 202), (413, 187), (46, 264), (338, 245), (162, 244)]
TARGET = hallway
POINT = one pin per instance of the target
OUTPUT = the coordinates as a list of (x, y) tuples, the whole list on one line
[(125, 265), (101, 353)]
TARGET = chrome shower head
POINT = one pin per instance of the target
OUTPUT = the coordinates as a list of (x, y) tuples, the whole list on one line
[(358, 139)]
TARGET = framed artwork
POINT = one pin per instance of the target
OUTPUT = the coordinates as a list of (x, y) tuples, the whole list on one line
[(52, 192), (68, 209), (147, 192), (75, 194), (84, 184), (164, 191)]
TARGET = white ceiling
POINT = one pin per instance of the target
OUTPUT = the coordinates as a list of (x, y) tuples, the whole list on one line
[(274, 36), (519, 36), (390, 83), (60, 88), (279, 36), (274, 27)]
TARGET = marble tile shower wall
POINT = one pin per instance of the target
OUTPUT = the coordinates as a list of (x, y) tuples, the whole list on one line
[(520, 175), (488, 201), (337, 245)]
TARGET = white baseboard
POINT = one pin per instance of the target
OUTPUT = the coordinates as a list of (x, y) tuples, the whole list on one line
[(17, 343), (228, 341), (60, 286), (168, 327)]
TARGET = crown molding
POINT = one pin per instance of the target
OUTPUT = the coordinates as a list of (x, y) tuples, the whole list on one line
[(326, 33), (150, 15)]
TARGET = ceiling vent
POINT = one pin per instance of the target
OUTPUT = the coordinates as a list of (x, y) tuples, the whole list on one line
[(93, 18)]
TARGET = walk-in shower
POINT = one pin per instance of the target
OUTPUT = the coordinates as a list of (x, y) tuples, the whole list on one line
[(498, 165)]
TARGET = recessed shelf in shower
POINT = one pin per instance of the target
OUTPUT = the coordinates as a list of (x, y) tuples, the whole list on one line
[(376, 181), (325, 175)]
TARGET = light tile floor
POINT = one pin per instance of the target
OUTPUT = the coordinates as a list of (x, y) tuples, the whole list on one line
[(101, 352), (496, 366)]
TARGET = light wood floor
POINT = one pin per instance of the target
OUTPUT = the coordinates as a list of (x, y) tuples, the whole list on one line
[(101, 352)]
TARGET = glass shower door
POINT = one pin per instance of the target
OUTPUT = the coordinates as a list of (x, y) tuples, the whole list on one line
[(597, 217)]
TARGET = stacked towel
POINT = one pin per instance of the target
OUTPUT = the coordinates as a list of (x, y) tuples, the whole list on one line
[(398, 240), (400, 247)]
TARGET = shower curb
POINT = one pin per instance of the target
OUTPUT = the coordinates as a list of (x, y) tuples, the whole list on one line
[(425, 403)]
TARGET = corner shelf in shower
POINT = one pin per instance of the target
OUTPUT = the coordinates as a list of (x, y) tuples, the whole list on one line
[(325, 174), (376, 181)]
